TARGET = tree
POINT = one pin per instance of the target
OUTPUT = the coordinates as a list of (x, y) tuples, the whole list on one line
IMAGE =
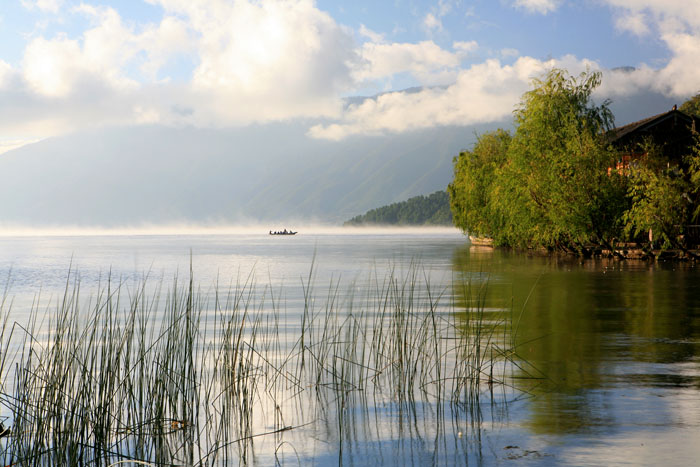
[(470, 193), (659, 205), (560, 160), (691, 106), (433, 209), (693, 163), (547, 185), (664, 198)]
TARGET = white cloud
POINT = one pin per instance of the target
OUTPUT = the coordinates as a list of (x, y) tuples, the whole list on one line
[(424, 60), (66, 83), (627, 83), (253, 61), (677, 24), (432, 23), (509, 53), (681, 76), (60, 66), (9, 145), (445, 7), (482, 93), (681, 11), (634, 22), (163, 42), (465, 48), (5, 73), (373, 36), (51, 6), (279, 59), (267, 60), (52, 67), (488, 92), (537, 6)]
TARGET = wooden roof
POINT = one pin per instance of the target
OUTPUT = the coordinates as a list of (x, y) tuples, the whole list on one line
[(622, 133)]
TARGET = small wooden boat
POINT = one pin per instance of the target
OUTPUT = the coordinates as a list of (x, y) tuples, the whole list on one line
[(283, 232), (481, 241)]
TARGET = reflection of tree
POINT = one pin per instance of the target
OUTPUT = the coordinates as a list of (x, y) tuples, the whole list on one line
[(661, 312), (579, 324)]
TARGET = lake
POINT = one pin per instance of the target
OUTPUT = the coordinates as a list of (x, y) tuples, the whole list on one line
[(601, 363)]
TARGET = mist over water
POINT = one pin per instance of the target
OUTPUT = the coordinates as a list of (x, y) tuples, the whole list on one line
[(303, 227), (39, 259)]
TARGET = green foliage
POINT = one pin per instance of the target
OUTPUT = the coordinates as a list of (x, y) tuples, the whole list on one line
[(419, 210), (693, 163), (547, 185), (658, 203), (663, 198), (471, 191), (558, 164), (691, 106)]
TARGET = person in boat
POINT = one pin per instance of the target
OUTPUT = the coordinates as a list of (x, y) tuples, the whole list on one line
[(284, 231)]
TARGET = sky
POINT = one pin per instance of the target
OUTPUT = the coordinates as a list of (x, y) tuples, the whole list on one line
[(69, 65)]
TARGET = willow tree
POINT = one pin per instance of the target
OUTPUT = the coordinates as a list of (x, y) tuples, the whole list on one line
[(551, 188), (471, 197)]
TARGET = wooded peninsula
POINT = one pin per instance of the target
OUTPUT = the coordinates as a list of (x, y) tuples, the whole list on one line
[(566, 179)]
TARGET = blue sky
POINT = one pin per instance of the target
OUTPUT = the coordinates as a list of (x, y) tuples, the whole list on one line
[(581, 28), (66, 65)]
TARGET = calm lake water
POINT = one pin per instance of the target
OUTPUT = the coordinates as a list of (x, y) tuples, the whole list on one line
[(607, 365)]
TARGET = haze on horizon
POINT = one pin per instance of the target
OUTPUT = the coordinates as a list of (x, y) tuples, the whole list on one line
[(258, 98)]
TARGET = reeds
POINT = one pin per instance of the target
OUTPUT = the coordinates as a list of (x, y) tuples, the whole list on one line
[(230, 376)]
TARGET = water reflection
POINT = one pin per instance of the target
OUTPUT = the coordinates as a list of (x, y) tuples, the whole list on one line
[(607, 351), (609, 338), (369, 370)]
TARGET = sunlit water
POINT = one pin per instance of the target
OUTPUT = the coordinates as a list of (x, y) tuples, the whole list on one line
[(608, 351)]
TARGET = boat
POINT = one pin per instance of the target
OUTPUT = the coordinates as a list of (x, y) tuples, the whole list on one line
[(283, 232), (481, 241)]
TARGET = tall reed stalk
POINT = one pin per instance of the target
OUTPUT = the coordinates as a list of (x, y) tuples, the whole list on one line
[(177, 376)]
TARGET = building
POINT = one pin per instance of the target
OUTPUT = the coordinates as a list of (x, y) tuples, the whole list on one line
[(672, 132)]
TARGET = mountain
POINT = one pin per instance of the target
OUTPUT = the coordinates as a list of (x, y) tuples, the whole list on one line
[(154, 175), (130, 176)]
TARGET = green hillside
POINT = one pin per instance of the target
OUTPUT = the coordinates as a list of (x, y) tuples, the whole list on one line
[(419, 210)]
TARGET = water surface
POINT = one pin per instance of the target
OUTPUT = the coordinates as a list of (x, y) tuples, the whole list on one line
[(616, 344), (607, 369)]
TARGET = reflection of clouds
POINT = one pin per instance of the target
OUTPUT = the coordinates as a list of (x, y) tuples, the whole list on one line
[(628, 425), (628, 411), (372, 423), (678, 446)]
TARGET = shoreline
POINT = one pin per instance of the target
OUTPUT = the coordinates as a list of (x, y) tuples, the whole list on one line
[(623, 253)]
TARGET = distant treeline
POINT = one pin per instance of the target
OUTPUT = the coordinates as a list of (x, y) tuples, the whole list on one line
[(419, 210)]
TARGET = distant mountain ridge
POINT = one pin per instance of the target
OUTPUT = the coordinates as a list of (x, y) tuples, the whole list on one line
[(156, 175), (149, 175), (433, 209)]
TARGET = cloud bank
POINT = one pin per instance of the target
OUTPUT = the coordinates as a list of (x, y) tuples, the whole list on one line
[(218, 63)]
